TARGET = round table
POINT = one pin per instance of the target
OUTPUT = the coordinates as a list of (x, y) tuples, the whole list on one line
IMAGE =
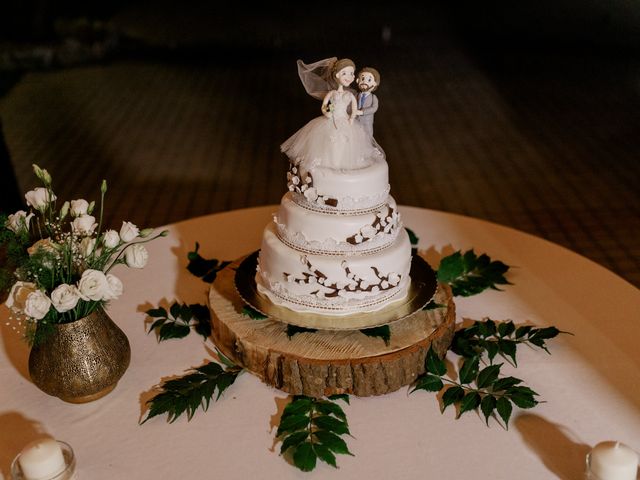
[(590, 383)]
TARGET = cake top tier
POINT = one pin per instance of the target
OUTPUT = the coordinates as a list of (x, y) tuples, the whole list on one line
[(340, 191)]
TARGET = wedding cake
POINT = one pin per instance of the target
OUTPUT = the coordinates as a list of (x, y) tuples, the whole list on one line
[(336, 245)]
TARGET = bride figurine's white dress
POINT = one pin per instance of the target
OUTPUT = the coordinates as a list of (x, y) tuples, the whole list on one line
[(334, 141)]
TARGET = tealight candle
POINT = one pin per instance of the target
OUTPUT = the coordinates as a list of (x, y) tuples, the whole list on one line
[(42, 459), (613, 461)]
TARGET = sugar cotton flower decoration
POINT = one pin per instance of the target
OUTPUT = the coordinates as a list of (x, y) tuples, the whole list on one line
[(59, 259)]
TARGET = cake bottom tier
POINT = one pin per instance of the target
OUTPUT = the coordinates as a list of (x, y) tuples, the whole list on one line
[(333, 284)]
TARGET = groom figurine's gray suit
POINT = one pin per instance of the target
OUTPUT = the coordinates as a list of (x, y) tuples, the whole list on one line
[(368, 103), (368, 81)]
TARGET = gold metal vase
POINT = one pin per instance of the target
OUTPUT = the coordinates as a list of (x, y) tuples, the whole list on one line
[(81, 361)]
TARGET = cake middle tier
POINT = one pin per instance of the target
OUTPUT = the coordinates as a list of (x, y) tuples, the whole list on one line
[(336, 285), (311, 231)]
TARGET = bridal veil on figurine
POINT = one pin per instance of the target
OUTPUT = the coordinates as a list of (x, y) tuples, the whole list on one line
[(332, 140)]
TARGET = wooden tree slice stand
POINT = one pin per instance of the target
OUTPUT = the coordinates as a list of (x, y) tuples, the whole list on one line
[(325, 362)]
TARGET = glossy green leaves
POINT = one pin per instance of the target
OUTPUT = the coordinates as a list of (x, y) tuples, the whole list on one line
[(192, 391), (469, 274), (310, 429)]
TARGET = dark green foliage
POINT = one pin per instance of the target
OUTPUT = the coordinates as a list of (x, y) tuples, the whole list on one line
[(492, 393), (413, 238), (469, 274), (207, 269), (192, 391), (383, 332), (310, 429), (178, 321), (432, 305), (293, 329), (253, 313), (500, 338)]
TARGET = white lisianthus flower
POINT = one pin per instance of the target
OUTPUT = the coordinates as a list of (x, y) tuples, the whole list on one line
[(65, 297), (111, 239), (115, 286), (84, 225), (94, 285), (18, 295), (87, 245), (39, 198), (128, 232), (37, 305), (19, 221), (79, 207), (136, 256)]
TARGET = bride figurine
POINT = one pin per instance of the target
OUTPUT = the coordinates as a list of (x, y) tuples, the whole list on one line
[(332, 140)]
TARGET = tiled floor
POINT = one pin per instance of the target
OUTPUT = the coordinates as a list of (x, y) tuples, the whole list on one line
[(545, 143)]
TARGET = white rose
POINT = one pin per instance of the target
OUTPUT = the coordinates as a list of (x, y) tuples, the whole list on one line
[(79, 207), (111, 239), (128, 231), (87, 245), (39, 198), (18, 295), (84, 225), (65, 297), (115, 285), (19, 221), (37, 305), (136, 256), (94, 285), (393, 278)]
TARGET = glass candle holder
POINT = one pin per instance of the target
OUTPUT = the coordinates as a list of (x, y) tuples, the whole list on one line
[(69, 473)]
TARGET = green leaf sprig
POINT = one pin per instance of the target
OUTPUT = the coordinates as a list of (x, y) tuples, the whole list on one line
[(192, 391), (177, 323), (253, 313), (499, 338), (310, 429), (383, 332), (491, 393), (294, 329), (413, 239), (469, 274), (206, 269)]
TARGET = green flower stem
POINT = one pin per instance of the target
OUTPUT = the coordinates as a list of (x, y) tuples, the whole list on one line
[(102, 192), (115, 261)]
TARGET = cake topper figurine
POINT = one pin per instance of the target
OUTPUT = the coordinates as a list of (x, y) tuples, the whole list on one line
[(368, 81), (332, 140)]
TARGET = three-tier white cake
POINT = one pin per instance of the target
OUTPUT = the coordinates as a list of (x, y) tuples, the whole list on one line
[(336, 246)]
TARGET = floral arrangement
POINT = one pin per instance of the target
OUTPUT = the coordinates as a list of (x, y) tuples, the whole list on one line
[(59, 260)]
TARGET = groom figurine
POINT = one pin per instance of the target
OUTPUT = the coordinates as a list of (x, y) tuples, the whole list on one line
[(368, 81)]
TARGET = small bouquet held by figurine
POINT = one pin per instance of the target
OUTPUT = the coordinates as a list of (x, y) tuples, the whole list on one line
[(59, 261)]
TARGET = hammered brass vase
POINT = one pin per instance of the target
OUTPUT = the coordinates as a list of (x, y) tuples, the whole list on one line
[(81, 361)]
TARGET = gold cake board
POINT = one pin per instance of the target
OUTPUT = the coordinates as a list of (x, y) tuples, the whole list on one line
[(327, 362)]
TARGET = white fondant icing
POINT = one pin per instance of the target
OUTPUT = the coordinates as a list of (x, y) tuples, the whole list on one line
[(329, 284), (350, 190), (315, 232)]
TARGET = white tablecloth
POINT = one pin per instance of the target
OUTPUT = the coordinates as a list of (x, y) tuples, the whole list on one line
[(590, 384)]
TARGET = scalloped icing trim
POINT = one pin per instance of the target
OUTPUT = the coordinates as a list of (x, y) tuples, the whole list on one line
[(299, 242), (279, 295), (346, 205)]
